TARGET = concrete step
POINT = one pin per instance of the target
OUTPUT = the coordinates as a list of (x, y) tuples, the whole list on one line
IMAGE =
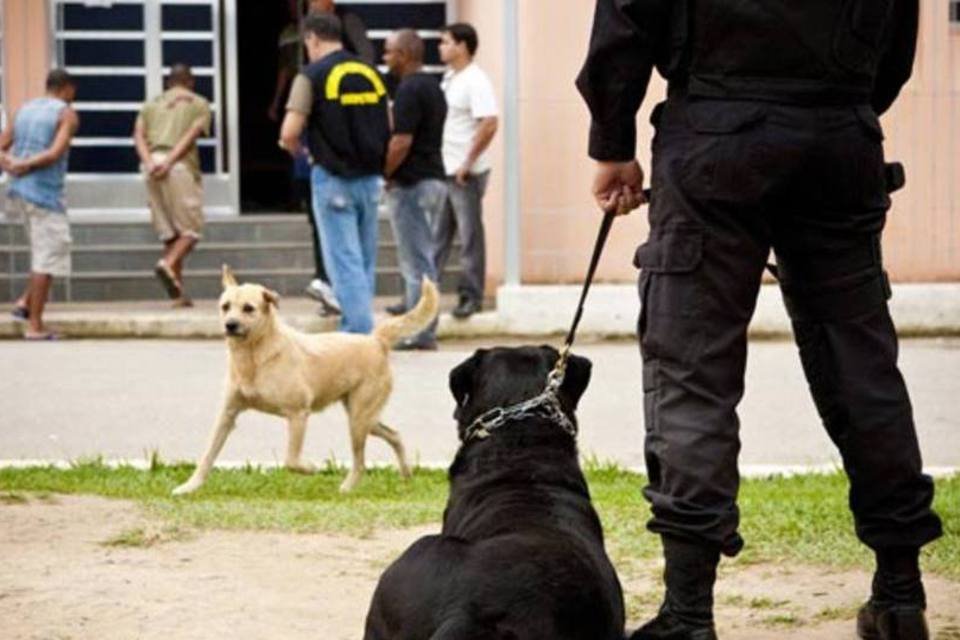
[(264, 228), (201, 283), (266, 255), (114, 259)]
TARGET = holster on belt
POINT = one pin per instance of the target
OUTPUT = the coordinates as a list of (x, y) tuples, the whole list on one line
[(894, 176)]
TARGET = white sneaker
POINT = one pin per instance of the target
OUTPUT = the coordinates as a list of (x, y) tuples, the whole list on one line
[(323, 293)]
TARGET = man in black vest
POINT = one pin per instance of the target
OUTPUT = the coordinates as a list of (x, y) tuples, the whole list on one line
[(768, 138), (341, 102)]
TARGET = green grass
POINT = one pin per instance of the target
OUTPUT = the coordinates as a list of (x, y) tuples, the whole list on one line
[(800, 519)]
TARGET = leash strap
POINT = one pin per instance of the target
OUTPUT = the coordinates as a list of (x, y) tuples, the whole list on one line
[(555, 379)]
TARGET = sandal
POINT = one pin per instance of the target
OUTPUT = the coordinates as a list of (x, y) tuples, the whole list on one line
[(168, 280), (41, 337)]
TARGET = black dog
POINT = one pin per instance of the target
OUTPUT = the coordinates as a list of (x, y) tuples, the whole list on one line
[(521, 554)]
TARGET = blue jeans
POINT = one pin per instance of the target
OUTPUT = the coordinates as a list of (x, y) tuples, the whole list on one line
[(345, 210), (412, 209)]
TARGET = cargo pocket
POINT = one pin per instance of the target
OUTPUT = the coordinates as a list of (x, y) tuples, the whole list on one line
[(671, 294)]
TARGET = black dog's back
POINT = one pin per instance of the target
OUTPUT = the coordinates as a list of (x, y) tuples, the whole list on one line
[(521, 555)]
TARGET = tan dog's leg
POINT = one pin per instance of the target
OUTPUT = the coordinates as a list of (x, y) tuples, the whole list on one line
[(393, 439), (363, 410), (358, 442), (226, 423), (297, 425)]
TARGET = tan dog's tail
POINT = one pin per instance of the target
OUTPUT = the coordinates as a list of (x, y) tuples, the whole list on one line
[(415, 320)]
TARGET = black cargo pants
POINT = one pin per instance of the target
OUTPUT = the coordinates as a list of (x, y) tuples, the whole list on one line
[(731, 180)]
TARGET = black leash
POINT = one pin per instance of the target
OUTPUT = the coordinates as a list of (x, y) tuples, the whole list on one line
[(555, 379), (547, 403)]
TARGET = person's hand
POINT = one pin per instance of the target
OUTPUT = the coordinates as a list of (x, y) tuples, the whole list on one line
[(160, 170), (17, 168), (462, 175), (618, 186), (4, 161)]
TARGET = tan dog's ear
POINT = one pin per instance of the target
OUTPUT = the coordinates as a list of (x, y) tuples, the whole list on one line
[(227, 279), (271, 297)]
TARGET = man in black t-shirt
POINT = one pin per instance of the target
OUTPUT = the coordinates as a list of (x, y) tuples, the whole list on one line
[(341, 101), (414, 168)]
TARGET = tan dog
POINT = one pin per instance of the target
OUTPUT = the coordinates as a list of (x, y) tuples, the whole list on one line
[(278, 370)]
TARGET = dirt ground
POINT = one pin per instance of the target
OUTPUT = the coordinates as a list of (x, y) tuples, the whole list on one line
[(60, 579)]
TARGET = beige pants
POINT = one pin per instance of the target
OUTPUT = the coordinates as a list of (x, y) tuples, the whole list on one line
[(49, 236), (176, 202)]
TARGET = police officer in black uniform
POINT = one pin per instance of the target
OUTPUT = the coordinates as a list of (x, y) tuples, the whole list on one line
[(768, 139)]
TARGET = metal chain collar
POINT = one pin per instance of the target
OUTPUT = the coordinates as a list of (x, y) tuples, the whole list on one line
[(545, 405)]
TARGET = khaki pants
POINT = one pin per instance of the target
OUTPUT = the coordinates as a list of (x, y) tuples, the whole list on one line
[(176, 202)]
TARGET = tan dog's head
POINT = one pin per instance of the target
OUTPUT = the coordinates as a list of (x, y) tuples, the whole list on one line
[(247, 310)]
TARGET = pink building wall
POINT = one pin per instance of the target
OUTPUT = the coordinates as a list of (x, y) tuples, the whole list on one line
[(922, 241)]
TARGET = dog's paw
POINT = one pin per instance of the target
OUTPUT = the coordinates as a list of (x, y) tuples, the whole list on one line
[(187, 487), (302, 467)]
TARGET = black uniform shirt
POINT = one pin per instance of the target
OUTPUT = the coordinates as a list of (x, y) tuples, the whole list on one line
[(793, 51)]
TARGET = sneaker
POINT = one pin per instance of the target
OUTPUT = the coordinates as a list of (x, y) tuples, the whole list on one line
[(414, 344), (323, 293), (20, 314), (466, 308), (397, 309)]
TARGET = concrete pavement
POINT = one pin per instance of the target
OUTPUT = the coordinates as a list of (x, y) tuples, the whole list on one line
[(122, 399)]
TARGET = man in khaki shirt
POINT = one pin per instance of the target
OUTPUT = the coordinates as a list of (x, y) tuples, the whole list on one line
[(166, 139)]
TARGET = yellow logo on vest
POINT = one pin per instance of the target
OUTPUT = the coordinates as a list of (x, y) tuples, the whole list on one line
[(354, 98)]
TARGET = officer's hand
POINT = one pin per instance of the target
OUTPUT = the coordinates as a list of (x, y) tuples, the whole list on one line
[(618, 186)]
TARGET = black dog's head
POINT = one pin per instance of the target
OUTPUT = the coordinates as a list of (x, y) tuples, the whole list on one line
[(502, 376)]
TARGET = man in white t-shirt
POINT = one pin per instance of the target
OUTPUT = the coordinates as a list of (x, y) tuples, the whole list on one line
[(470, 126)]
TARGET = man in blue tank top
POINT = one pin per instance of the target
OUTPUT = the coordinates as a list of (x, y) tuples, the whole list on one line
[(34, 152)]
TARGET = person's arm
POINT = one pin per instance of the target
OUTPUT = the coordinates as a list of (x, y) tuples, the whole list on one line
[(142, 146), (6, 137), (6, 141), (613, 82), (299, 106), (66, 128), (486, 130), (184, 144), (356, 34), (406, 119), (292, 128), (897, 62), (397, 151)]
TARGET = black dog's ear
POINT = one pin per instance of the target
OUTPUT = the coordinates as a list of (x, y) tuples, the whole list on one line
[(462, 377), (576, 379)]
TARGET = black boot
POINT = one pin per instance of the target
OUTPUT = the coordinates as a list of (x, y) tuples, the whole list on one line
[(466, 307), (896, 605), (687, 610)]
